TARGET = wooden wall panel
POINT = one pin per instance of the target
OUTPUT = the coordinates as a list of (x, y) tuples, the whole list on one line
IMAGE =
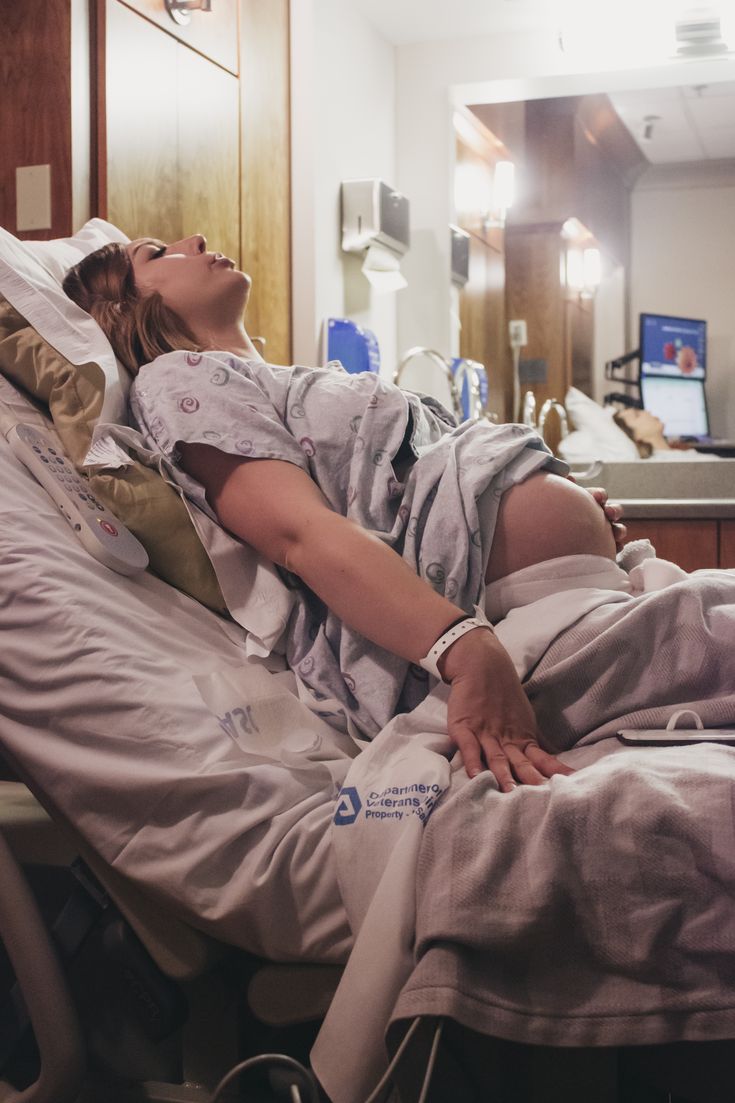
[(482, 322), (265, 186), (690, 544), (209, 152), (534, 293), (727, 544), (35, 105), (141, 125), (483, 328), (213, 34), (172, 137)]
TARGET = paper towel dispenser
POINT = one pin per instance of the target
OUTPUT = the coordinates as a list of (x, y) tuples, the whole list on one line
[(373, 213)]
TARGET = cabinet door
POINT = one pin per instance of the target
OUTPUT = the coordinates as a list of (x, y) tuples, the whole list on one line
[(727, 544), (482, 322), (172, 136), (690, 544)]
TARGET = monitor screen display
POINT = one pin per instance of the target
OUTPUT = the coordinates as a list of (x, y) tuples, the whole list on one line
[(673, 346), (679, 403)]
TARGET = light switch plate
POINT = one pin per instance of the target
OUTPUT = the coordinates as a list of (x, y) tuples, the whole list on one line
[(33, 197)]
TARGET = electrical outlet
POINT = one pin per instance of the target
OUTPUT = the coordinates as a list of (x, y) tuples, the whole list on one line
[(518, 334)]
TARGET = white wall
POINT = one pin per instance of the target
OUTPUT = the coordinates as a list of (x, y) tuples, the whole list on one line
[(343, 100), (433, 76), (683, 263), (362, 107)]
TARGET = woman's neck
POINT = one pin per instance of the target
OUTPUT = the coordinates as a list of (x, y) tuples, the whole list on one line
[(659, 443), (232, 339)]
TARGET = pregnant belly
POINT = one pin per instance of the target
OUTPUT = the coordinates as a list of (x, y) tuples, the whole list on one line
[(543, 518)]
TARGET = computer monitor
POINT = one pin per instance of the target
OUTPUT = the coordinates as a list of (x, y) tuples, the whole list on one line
[(679, 402), (675, 347)]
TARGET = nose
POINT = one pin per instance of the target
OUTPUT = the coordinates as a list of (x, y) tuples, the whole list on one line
[(196, 243)]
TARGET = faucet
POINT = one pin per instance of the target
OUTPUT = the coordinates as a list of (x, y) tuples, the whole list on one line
[(548, 406), (528, 416), (438, 359)]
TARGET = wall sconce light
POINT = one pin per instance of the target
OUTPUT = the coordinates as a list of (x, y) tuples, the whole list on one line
[(583, 270), (503, 195), (180, 10)]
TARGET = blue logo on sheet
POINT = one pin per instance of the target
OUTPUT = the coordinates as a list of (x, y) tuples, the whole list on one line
[(348, 806)]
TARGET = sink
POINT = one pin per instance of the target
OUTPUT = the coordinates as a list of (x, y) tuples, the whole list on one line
[(693, 480)]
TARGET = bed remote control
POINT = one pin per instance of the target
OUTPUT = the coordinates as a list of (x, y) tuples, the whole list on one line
[(100, 532)]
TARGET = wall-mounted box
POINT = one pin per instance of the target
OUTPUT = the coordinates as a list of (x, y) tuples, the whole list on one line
[(373, 213), (460, 253)]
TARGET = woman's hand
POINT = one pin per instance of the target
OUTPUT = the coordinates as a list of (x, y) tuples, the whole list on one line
[(612, 511), (489, 715)]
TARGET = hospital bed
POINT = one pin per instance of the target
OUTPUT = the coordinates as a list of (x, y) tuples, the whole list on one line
[(146, 667), (193, 991)]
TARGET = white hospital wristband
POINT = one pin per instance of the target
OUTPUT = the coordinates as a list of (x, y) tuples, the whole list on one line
[(430, 661)]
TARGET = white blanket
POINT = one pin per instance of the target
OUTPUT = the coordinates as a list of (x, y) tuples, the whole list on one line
[(385, 865)]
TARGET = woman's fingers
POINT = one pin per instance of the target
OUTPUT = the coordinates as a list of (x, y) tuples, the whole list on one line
[(512, 763), (613, 512), (620, 534), (546, 763), (469, 748)]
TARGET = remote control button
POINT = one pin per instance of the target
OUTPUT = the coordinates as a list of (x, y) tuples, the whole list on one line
[(36, 449), (90, 505), (52, 451), (107, 526), (45, 459)]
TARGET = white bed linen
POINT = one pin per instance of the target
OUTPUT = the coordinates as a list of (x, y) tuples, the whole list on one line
[(393, 786), (191, 770)]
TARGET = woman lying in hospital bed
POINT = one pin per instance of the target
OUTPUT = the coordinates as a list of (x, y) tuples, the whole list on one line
[(249, 840), (388, 522)]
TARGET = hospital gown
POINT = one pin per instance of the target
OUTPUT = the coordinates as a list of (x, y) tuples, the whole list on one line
[(345, 431)]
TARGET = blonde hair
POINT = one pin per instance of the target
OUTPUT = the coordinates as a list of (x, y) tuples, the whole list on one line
[(139, 327), (645, 450)]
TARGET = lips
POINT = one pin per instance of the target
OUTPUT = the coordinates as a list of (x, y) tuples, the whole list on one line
[(220, 259)]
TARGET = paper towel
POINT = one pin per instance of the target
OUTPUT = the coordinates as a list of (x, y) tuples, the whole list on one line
[(383, 269)]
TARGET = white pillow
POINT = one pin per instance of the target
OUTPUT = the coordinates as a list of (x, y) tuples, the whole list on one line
[(31, 274), (596, 436), (61, 254)]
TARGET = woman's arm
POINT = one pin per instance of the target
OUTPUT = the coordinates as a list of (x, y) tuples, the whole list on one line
[(277, 509)]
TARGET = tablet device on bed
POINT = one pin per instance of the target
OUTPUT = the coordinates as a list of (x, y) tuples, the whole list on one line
[(653, 736)]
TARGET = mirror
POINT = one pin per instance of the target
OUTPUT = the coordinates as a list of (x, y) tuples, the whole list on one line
[(667, 250)]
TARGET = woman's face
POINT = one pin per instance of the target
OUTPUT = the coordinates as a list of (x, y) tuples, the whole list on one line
[(204, 288), (642, 424)]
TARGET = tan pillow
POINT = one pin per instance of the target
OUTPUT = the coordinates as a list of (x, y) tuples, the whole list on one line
[(143, 501)]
